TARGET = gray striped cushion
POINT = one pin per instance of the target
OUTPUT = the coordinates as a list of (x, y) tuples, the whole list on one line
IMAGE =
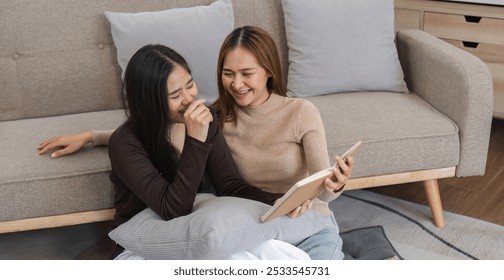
[(218, 227)]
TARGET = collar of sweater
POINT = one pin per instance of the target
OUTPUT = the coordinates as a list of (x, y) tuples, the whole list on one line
[(274, 102)]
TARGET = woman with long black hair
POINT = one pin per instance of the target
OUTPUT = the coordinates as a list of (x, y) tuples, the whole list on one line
[(151, 167)]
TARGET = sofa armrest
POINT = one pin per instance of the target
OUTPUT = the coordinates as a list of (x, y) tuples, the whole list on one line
[(456, 83)]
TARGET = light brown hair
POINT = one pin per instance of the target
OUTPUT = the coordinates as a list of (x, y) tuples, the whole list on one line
[(260, 43)]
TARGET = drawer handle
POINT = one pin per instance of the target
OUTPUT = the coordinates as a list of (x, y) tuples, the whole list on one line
[(471, 45), (473, 19)]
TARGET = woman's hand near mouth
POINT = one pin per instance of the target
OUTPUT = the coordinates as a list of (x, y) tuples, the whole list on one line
[(197, 120)]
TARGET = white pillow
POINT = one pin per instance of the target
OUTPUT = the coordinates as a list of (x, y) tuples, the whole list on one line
[(196, 33), (217, 228), (341, 46)]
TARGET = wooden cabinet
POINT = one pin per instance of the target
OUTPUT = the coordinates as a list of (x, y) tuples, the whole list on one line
[(475, 28), (407, 19)]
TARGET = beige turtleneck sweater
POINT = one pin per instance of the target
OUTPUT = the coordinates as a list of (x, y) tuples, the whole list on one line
[(278, 143)]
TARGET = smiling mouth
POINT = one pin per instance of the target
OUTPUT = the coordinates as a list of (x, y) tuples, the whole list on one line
[(243, 92)]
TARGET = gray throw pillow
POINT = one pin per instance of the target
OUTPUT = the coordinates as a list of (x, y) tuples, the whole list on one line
[(341, 46), (217, 228), (196, 33)]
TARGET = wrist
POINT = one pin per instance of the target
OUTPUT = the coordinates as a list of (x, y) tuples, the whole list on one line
[(88, 136)]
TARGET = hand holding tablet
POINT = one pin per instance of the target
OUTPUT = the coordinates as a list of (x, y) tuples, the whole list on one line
[(306, 189)]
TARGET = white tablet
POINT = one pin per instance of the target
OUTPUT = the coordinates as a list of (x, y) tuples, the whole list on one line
[(306, 189)]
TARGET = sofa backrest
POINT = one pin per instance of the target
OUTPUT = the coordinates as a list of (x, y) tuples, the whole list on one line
[(58, 57)]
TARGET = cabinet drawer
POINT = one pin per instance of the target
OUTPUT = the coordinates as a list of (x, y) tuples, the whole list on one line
[(465, 27), (406, 19), (487, 52)]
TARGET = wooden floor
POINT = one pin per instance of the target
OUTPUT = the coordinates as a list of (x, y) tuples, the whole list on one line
[(481, 197)]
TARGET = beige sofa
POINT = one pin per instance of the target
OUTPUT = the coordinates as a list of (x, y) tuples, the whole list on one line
[(59, 74)]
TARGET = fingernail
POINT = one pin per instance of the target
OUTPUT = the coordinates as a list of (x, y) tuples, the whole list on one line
[(53, 155)]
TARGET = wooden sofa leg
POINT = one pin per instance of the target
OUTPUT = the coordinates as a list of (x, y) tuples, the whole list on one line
[(431, 188)]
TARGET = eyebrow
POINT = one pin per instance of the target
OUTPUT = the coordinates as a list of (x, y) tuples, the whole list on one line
[(244, 69), (179, 89)]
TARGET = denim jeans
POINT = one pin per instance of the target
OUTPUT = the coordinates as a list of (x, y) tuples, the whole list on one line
[(325, 244)]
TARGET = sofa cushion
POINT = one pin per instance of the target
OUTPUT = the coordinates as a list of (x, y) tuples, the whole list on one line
[(32, 185), (217, 228), (400, 132), (341, 46), (196, 33)]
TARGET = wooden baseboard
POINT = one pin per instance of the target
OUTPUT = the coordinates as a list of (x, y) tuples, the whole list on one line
[(399, 178), (57, 221)]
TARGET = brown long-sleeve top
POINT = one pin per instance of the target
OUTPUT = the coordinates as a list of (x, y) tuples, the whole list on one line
[(138, 184)]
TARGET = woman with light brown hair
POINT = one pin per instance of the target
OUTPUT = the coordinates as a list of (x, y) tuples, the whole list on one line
[(275, 140)]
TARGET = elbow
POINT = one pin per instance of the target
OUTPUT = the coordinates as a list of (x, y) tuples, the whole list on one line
[(169, 213)]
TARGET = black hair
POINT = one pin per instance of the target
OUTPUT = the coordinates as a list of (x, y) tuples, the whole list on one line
[(146, 103)]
